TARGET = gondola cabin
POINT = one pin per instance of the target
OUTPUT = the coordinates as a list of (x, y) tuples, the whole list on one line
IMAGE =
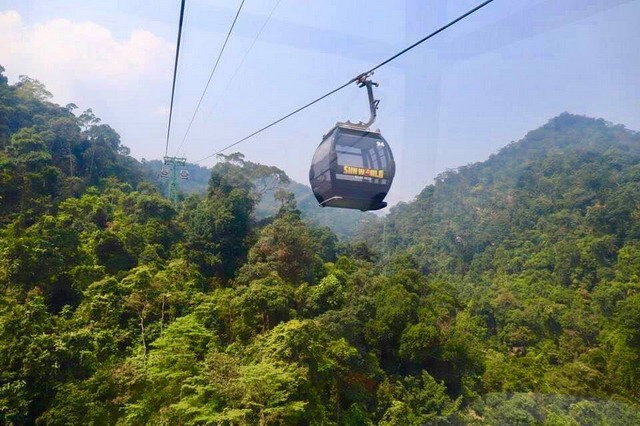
[(352, 168)]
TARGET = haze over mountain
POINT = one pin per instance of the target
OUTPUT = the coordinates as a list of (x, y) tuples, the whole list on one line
[(345, 223), (574, 169)]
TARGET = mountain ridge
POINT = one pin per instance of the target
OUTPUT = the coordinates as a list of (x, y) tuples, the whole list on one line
[(565, 142)]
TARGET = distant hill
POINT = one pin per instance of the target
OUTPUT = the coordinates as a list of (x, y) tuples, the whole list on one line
[(573, 177), (344, 223), (564, 199)]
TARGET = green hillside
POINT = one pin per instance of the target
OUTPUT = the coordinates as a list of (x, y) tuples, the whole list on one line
[(506, 293), (542, 243), (574, 178)]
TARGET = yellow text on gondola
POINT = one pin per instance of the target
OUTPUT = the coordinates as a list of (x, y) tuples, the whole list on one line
[(359, 171)]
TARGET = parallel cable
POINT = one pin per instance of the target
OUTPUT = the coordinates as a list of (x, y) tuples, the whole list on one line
[(422, 40), (244, 58), (359, 76), (213, 71), (175, 73), (276, 122), (235, 73)]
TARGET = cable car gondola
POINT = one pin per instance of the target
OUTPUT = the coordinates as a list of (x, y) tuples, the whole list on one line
[(353, 166)]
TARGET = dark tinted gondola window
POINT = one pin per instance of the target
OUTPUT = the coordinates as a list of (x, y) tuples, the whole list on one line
[(348, 156), (321, 158), (360, 151)]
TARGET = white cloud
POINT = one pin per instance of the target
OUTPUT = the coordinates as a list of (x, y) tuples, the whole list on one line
[(68, 56)]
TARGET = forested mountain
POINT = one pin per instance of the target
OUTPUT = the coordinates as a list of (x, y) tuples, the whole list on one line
[(542, 243), (507, 292), (344, 223)]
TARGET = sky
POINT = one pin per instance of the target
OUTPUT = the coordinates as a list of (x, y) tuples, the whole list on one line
[(454, 100)]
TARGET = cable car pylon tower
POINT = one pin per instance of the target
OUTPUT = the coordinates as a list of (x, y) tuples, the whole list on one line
[(174, 163)]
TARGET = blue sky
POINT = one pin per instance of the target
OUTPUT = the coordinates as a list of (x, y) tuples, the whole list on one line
[(455, 100)]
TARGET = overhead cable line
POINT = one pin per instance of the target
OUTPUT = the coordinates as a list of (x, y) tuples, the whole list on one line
[(175, 73), (235, 73), (357, 78), (276, 122), (213, 71)]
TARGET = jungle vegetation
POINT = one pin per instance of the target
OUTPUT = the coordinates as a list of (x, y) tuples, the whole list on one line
[(507, 292)]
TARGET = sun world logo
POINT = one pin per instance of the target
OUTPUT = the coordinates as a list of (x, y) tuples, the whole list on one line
[(359, 171)]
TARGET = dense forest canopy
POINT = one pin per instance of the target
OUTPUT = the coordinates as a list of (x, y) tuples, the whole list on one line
[(506, 292)]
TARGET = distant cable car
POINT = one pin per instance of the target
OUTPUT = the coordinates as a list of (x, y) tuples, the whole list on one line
[(184, 174), (353, 166), (164, 173)]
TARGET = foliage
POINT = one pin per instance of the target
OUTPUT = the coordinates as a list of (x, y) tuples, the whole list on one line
[(502, 286)]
